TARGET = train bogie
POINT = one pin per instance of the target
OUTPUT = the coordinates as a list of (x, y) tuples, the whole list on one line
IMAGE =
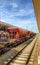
[(1, 48)]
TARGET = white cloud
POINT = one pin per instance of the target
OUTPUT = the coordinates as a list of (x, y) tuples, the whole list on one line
[(23, 12), (14, 5)]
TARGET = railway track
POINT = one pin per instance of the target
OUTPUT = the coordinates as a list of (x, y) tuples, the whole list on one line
[(12, 55), (23, 57), (6, 57)]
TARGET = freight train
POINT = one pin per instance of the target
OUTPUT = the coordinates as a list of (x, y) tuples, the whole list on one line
[(14, 42), (15, 36)]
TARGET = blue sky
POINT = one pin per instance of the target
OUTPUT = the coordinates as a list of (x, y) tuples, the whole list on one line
[(18, 13)]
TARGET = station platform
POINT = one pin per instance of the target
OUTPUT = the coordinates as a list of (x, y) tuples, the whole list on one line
[(35, 56), (38, 49)]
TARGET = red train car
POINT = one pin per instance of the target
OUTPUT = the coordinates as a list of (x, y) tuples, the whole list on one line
[(18, 35)]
